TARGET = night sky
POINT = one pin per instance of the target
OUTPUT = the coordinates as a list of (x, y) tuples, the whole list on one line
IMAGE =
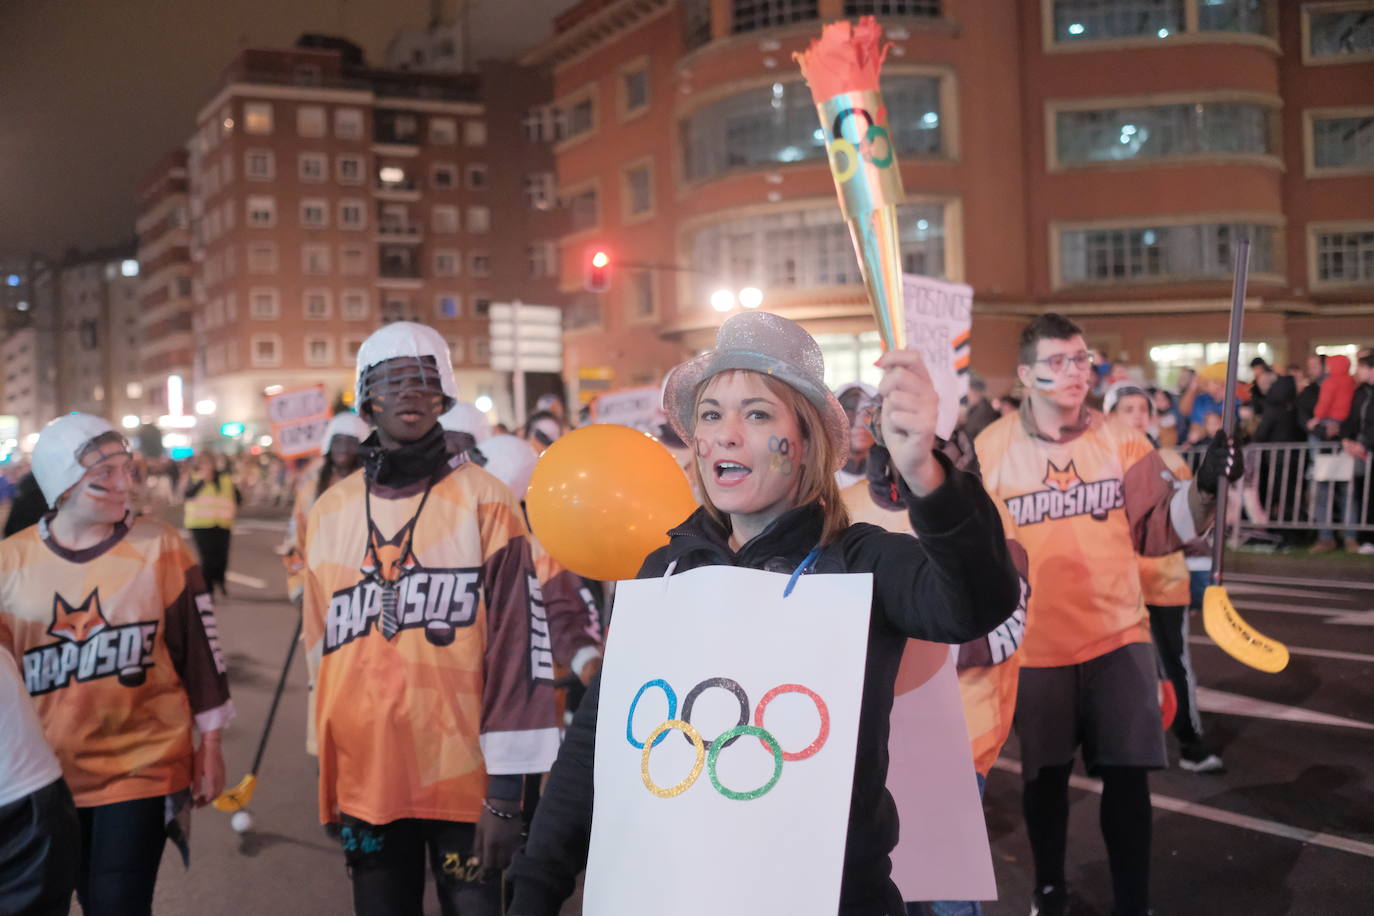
[(94, 92)]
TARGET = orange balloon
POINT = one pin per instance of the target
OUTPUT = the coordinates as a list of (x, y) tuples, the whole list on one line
[(603, 497)]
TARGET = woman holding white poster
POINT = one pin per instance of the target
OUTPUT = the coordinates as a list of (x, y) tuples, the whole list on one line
[(767, 437)]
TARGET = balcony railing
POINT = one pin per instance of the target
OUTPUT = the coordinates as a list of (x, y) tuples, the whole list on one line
[(399, 271), (394, 232)]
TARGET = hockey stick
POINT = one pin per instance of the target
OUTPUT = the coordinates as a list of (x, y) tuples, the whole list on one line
[(238, 797), (1219, 617)]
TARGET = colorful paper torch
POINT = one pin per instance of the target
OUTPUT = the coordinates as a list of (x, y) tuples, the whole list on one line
[(842, 67)]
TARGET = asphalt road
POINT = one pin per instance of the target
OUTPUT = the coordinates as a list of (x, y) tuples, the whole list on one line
[(1288, 828)]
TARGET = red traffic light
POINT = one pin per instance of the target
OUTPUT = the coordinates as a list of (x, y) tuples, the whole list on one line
[(598, 275)]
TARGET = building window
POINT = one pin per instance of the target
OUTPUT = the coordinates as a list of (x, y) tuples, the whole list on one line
[(481, 349), (257, 117), (352, 260), (540, 190), (352, 214), (313, 166), (226, 169), (748, 15), (310, 121), (1345, 143), (579, 116), (319, 351), (479, 219), (262, 211), (806, 248), (1339, 32), (1345, 257), (306, 75), (444, 176), (639, 190), (586, 210), (642, 295), (477, 177), (314, 213), (266, 349), (398, 261), (1149, 254), (542, 259), (349, 169), (542, 124), (475, 133), (354, 305), (352, 343), (262, 258), (481, 264), (259, 164), (776, 123), (854, 8), (634, 90), (348, 123), (264, 304), (395, 307), (448, 305), (315, 260), (317, 304), (1163, 131), (455, 349), (447, 262), (443, 218), (443, 131), (1106, 20)]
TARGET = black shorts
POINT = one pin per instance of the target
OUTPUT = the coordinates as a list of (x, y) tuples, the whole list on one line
[(40, 852), (386, 865), (1108, 704)]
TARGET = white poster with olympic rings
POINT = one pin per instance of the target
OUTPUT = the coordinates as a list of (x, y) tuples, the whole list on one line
[(725, 743)]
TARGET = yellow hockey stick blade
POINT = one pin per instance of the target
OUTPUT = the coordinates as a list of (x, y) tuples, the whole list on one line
[(238, 797), (1236, 637)]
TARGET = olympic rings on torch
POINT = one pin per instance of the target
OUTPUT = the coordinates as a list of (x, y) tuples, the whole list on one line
[(708, 752)]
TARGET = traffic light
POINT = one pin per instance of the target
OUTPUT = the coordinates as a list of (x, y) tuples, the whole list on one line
[(598, 278)]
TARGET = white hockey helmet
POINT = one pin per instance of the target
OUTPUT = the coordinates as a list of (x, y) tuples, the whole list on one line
[(465, 418), (57, 454), (405, 340), (511, 460), (347, 423)]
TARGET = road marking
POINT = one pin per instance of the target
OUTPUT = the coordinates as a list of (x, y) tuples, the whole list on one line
[(259, 524), (1300, 583), (1345, 618), (1235, 704), (1270, 591), (241, 579), (1298, 650), (1229, 818)]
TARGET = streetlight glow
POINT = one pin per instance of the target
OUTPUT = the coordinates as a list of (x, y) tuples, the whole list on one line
[(205, 407), (722, 300), (751, 297), (483, 403), (131, 422)]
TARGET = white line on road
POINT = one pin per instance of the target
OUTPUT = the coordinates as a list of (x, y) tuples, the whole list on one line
[(1299, 650), (1234, 704), (241, 579), (1270, 591), (1230, 818)]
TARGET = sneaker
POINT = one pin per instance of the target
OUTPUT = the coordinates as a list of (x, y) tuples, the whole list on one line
[(1366, 549), (1200, 760), (1050, 900), (1323, 546)]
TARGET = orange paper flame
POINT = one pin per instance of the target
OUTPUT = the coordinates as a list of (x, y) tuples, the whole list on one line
[(845, 58)]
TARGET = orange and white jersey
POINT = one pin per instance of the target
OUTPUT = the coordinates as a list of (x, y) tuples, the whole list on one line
[(1083, 507), (411, 725), (119, 649), (988, 667)]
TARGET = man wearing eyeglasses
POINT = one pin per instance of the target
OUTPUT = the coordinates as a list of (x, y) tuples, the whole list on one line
[(1085, 498)]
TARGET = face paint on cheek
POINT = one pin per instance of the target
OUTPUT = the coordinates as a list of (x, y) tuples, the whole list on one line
[(1044, 384), (780, 449), (703, 448)]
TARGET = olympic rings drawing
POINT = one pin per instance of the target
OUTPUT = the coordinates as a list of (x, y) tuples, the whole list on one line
[(708, 752), (845, 153)]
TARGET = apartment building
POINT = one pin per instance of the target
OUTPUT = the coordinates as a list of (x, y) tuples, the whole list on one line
[(98, 344), (1095, 157), (166, 348), (327, 197)]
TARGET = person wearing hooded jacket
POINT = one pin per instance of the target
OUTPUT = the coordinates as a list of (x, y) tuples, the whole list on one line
[(765, 381)]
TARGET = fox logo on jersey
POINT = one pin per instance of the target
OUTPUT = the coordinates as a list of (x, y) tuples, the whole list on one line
[(1066, 495), (437, 600), (88, 647)]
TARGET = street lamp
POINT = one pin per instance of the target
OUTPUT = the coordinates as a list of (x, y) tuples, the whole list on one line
[(131, 422), (751, 297), (205, 407), (722, 300), (725, 299)]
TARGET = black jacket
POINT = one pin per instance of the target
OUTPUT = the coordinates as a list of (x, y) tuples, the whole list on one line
[(1279, 422), (1307, 404), (954, 584), (1359, 425)]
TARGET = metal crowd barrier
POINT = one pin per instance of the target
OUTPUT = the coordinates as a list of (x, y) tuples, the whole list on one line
[(1299, 486)]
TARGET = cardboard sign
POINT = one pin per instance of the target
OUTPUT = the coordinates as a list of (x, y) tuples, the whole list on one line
[(299, 418), (939, 316), (758, 820), (637, 408)]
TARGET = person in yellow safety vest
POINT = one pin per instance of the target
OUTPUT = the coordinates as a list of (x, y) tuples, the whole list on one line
[(212, 501)]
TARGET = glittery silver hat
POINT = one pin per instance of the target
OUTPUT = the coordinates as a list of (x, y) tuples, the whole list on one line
[(765, 343)]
